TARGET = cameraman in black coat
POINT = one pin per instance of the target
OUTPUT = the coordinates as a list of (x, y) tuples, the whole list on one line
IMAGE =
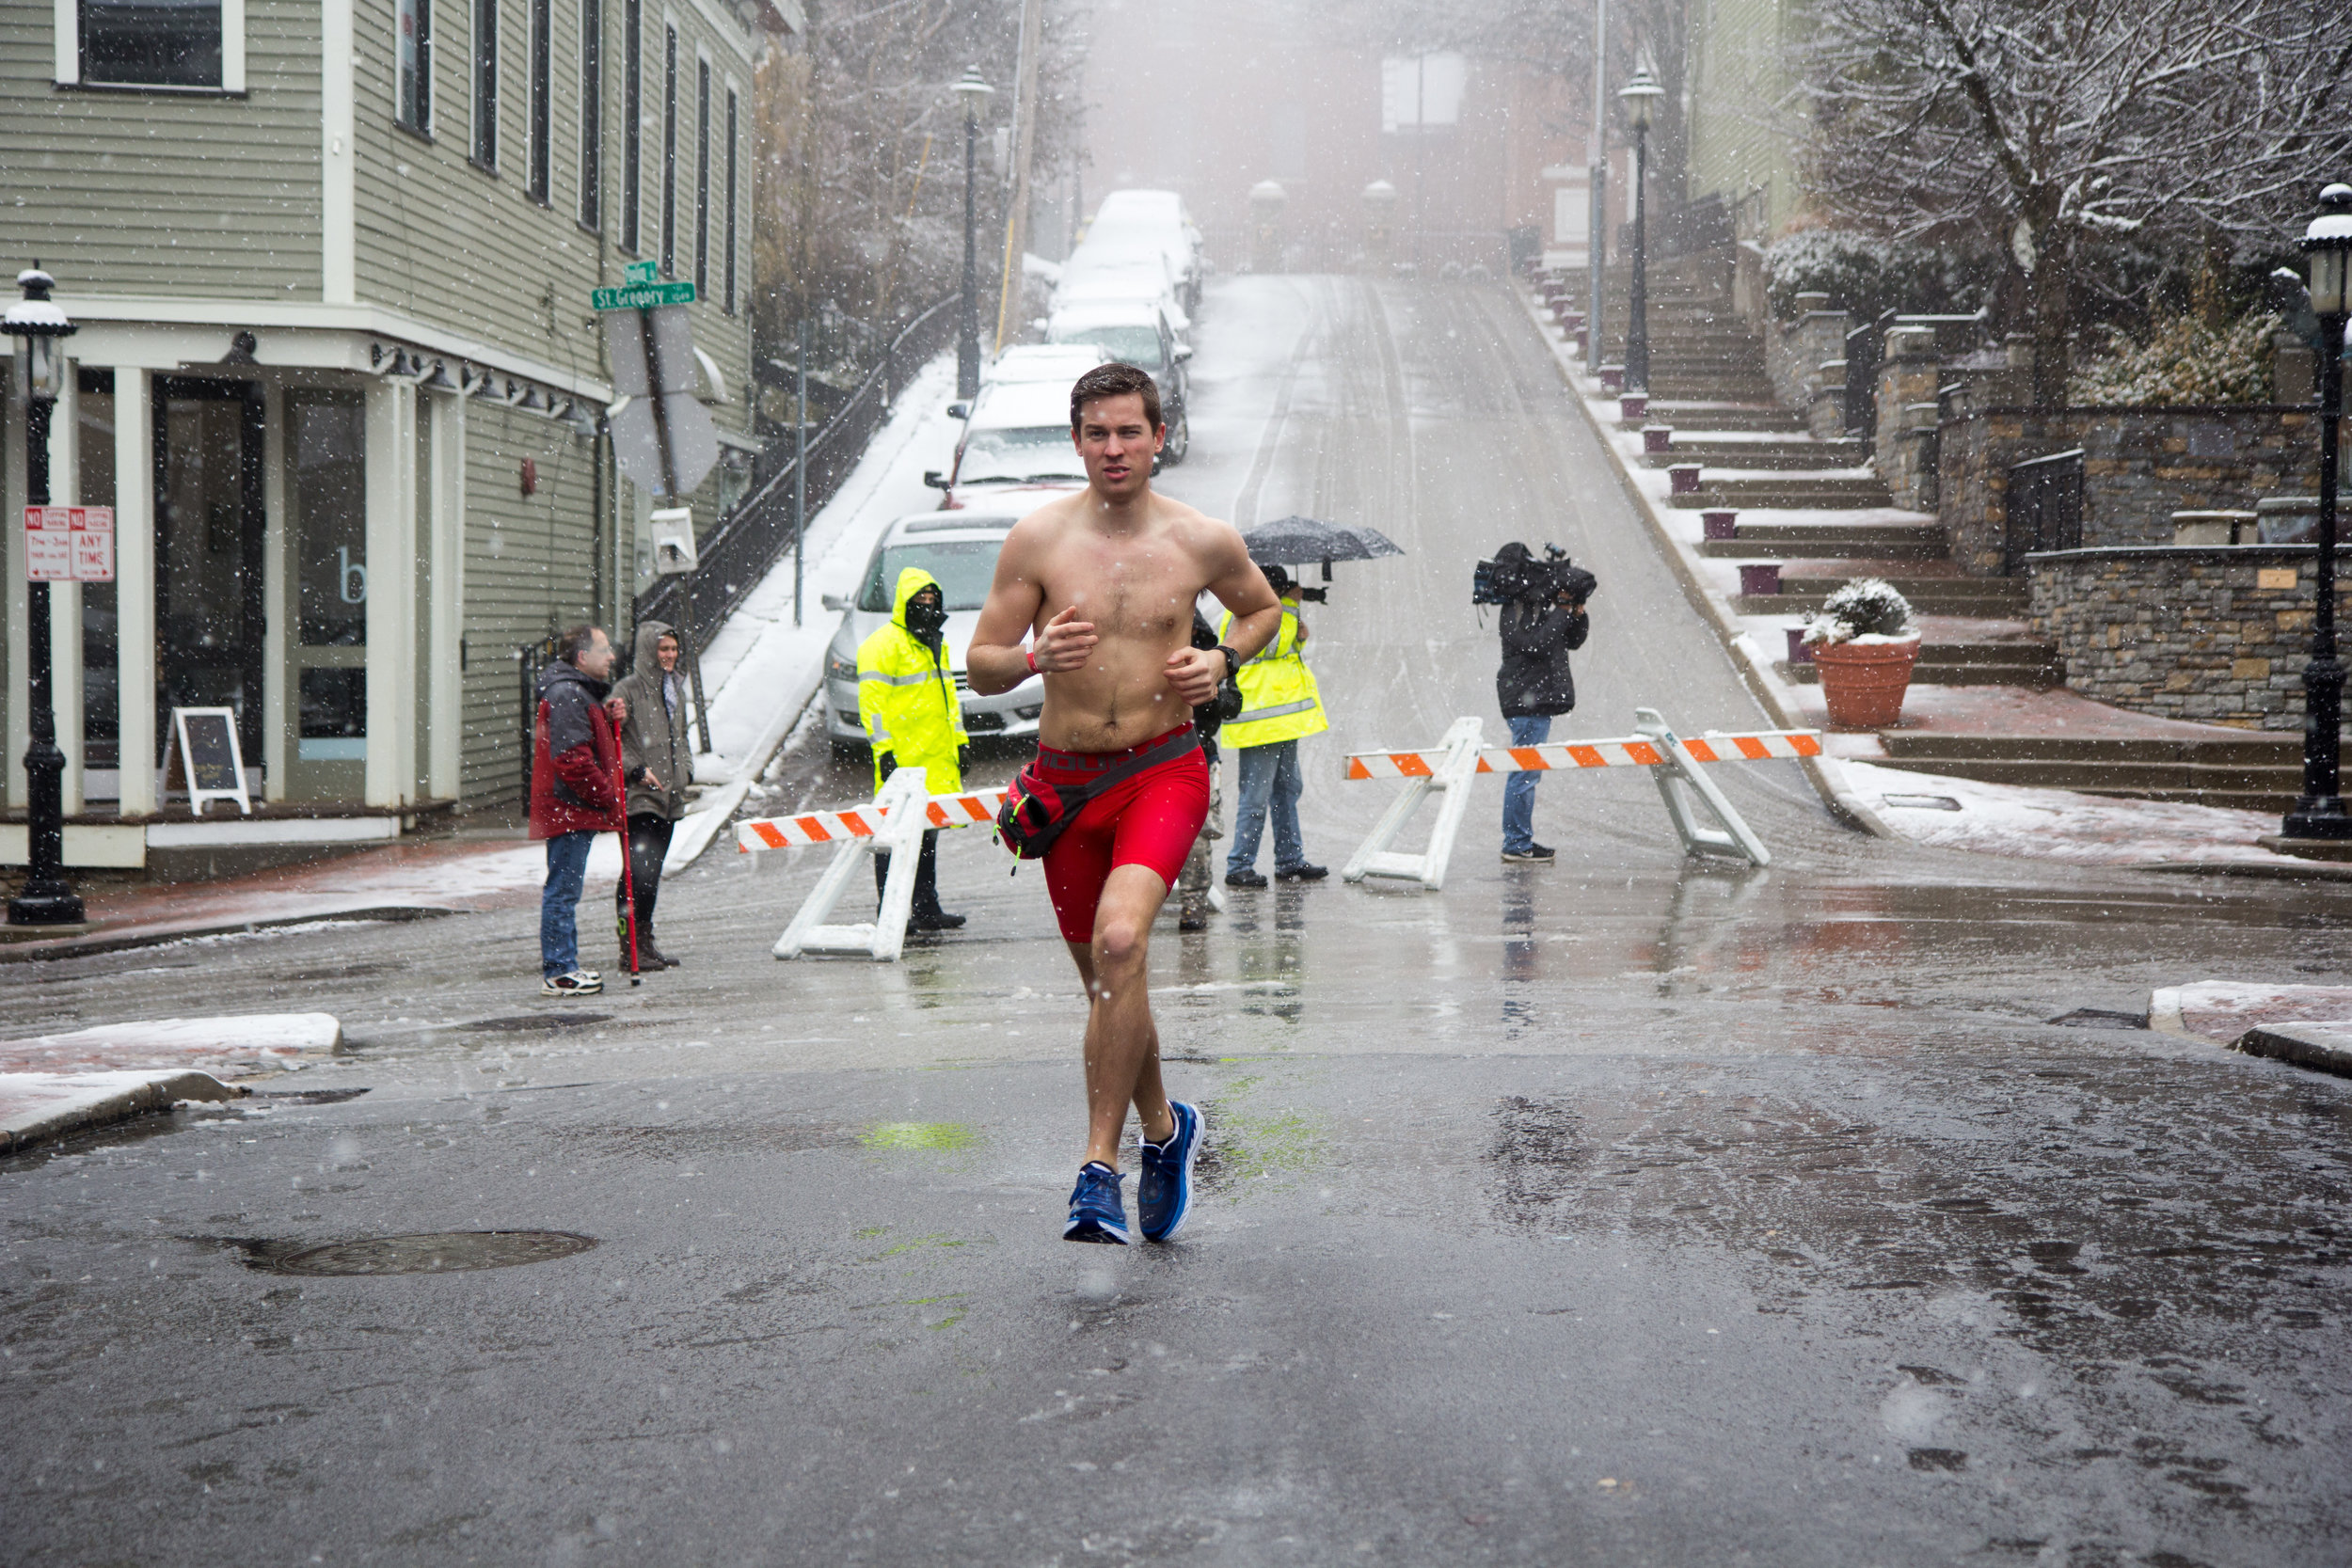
[(1539, 629)]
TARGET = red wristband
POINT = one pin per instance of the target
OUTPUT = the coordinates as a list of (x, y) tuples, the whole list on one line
[(1030, 654)]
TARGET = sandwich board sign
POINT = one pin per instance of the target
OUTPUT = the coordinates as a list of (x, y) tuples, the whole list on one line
[(203, 753), (69, 544)]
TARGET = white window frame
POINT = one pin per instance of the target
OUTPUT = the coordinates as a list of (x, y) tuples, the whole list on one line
[(69, 50)]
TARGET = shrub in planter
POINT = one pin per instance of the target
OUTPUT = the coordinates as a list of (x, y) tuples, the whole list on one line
[(1865, 646)]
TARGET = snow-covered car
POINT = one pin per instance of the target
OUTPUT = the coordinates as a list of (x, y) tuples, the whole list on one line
[(1138, 277), (960, 549), (1016, 434), (1054, 362), (1138, 335), (1128, 220)]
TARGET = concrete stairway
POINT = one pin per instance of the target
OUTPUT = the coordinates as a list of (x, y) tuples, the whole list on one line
[(2258, 772), (1796, 454)]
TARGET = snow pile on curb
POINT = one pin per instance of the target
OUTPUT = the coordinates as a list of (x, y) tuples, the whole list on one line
[(37, 1106), (2059, 824), (242, 1040), (2221, 1011)]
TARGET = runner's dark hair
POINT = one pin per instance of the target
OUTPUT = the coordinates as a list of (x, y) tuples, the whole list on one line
[(1112, 381), (576, 641)]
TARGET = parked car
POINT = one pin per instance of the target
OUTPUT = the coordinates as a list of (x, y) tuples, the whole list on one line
[(1015, 434), (1131, 219), (1143, 275), (960, 549), (1054, 362), (1138, 335)]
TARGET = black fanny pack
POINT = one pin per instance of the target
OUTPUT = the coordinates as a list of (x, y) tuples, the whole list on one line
[(1036, 810)]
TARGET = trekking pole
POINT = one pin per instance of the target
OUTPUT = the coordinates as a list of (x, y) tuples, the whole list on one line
[(628, 892)]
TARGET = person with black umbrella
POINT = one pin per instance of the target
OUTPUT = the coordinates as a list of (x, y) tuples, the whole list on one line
[(1281, 706)]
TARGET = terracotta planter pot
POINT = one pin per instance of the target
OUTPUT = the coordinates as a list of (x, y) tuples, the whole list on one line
[(1864, 682)]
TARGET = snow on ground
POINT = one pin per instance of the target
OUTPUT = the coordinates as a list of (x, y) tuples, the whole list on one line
[(2059, 824), (2224, 1009), (39, 1105), (241, 1039)]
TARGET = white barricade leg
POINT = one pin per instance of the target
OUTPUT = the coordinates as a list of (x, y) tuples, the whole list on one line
[(810, 917), (902, 798), (904, 832), (1452, 774), (1688, 792)]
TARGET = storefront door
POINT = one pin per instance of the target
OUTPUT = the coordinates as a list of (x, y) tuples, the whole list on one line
[(210, 528)]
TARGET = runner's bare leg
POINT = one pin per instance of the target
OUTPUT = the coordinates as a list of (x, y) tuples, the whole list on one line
[(1122, 1041)]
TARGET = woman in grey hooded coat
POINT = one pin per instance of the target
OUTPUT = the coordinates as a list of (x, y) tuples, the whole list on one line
[(657, 760)]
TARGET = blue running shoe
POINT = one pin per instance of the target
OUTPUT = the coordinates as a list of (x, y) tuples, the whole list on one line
[(1164, 1190), (1095, 1213)]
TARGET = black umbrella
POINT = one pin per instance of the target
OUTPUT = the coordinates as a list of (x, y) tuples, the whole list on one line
[(1304, 539)]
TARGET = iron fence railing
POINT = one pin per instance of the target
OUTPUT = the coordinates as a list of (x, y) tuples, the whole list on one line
[(743, 545), (2045, 507)]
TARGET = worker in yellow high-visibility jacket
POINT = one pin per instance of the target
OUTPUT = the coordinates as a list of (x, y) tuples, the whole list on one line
[(1279, 706), (906, 699)]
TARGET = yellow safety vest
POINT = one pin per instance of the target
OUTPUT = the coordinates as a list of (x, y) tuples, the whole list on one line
[(1279, 700), (906, 696)]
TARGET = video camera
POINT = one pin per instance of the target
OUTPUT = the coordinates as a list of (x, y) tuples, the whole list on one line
[(1531, 580)]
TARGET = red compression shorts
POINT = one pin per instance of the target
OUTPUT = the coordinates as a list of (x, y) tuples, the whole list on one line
[(1150, 819)]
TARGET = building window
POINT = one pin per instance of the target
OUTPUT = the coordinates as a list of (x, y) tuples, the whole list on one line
[(538, 181), (729, 298), (591, 114), (485, 83), (412, 49), (152, 43), (702, 179), (669, 152), (632, 117)]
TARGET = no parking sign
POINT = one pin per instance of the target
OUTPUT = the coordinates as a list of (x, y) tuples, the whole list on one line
[(69, 544)]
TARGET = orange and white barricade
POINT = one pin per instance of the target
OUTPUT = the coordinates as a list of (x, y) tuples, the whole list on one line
[(892, 824), (1692, 799)]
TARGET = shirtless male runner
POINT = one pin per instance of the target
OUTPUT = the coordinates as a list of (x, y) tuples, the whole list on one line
[(1103, 585)]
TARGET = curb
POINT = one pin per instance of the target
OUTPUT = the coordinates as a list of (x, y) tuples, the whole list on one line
[(2319, 1046), (1823, 772), (122, 942), (108, 1096)]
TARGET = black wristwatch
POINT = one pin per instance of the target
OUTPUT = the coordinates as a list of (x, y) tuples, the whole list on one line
[(1232, 660)]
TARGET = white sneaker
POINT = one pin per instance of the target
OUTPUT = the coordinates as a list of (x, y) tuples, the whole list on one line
[(579, 982)]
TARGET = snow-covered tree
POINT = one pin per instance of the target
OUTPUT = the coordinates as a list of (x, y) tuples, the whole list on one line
[(2059, 125)]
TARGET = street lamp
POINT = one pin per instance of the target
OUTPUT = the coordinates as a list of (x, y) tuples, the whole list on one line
[(41, 329), (1640, 97), (2320, 814), (974, 94)]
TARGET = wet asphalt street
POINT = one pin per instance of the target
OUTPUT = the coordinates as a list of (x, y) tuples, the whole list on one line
[(1632, 1210)]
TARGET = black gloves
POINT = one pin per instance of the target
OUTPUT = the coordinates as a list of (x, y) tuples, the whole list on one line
[(963, 759), (886, 764)]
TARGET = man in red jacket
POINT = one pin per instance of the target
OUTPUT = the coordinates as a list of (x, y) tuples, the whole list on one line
[(576, 793)]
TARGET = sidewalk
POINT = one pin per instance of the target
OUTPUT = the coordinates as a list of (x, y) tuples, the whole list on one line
[(1987, 816), (2308, 1025)]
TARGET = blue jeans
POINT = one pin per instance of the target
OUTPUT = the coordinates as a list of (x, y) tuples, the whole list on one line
[(1518, 790), (559, 903), (1269, 781)]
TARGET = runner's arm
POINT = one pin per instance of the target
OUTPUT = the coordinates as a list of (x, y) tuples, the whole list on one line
[(995, 661), (1241, 588)]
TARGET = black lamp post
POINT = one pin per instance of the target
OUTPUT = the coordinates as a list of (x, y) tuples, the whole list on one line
[(974, 94), (39, 328), (2320, 812), (1640, 97)]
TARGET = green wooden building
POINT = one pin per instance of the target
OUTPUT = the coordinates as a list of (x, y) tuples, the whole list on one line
[(338, 374)]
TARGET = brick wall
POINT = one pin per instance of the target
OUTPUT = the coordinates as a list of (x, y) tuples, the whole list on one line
[(2189, 634), (2140, 467)]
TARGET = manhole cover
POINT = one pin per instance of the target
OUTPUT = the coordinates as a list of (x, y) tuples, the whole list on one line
[(2100, 1018), (434, 1252)]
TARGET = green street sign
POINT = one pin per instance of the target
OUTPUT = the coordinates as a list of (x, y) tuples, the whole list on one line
[(643, 296), (640, 272)]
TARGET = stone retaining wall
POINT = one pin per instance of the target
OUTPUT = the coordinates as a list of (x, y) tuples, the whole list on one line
[(2185, 633), (2140, 467), (1805, 360)]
